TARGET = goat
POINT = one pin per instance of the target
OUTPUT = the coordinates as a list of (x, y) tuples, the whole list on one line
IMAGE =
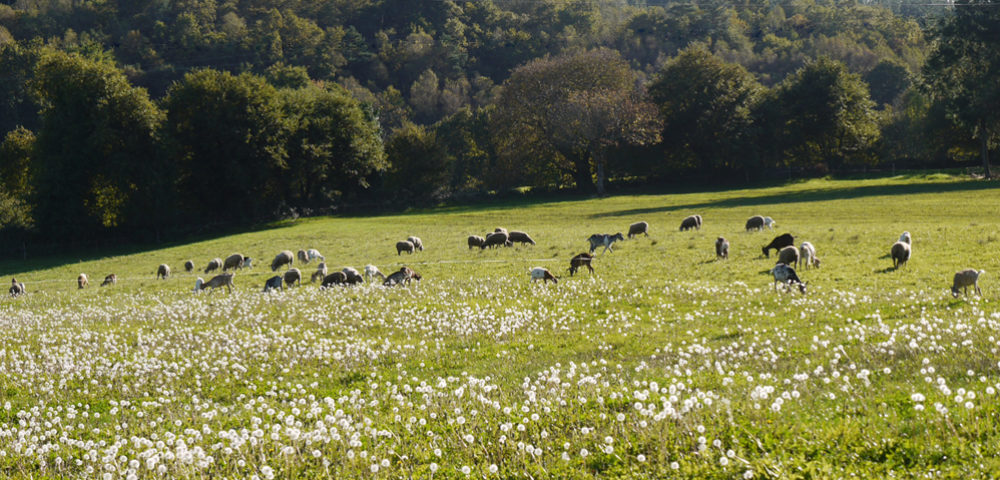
[(273, 283), (404, 246), (163, 271), (82, 281), (233, 261), (285, 257), (581, 260), (293, 276), (900, 253), (543, 274), (520, 237), (786, 275), (692, 221), (779, 242), (606, 239), (755, 222), (721, 248), (808, 252), (320, 273), (220, 280), (476, 241), (637, 228), (213, 264), (963, 279), (111, 279)]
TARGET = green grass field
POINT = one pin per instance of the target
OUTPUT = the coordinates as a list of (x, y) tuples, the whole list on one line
[(665, 363)]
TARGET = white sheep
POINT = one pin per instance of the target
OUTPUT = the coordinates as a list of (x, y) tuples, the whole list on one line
[(224, 279), (417, 243), (770, 223), (905, 238), (320, 273), (964, 279), (371, 271)]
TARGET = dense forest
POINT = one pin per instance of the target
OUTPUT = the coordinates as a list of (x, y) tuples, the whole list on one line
[(153, 118)]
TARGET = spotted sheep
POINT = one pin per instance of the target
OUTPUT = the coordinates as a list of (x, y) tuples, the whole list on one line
[(82, 281)]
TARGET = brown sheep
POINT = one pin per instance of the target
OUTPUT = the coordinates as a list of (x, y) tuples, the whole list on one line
[(293, 277), (233, 261), (521, 237), (789, 256), (285, 257), (964, 279), (221, 280), (214, 264), (111, 279), (496, 239), (637, 228), (755, 222), (476, 241), (404, 246)]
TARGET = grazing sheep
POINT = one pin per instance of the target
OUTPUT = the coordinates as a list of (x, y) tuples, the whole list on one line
[(786, 275), (351, 271), (809, 257), (769, 223), (188, 266), (606, 239), (285, 257), (499, 230), (755, 222), (404, 246), (692, 221), (581, 260), (963, 279), (306, 256), (496, 239), (82, 281), (371, 271), (111, 279), (273, 283), (637, 228), (293, 277), (233, 261), (900, 253), (721, 248), (543, 274), (905, 238), (214, 264), (222, 279), (520, 237), (16, 288), (403, 276), (417, 243), (789, 256), (320, 273), (247, 262), (163, 271), (353, 276), (335, 278), (779, 242), (476, 241)]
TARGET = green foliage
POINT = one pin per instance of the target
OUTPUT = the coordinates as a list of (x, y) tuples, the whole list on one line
[(420, 167)]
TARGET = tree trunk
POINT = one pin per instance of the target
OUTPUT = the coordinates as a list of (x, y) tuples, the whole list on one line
[(584, 180), (984, 149), (600, 175)]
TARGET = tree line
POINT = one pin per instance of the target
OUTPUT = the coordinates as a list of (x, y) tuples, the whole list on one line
[(153, 118)]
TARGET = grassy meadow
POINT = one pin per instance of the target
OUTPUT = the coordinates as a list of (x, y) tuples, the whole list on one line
[(665, 363)]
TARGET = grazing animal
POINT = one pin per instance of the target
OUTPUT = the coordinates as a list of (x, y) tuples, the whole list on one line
[(403, 276), (581, 260), (163, 271), (721, 248), (905, 238), (964, 278), (306, 256), (320, 273), (520, 237), (499, 230), (606, 239), (404, 246), (769, 223), (808, 252), (220, 280), (476, 241), (273, 283), (335, 278), (637, 228), (543, 274), (786, 275), (213, 264), (82, 281), (692, 221), (233, 262), (900, 253), (371, 271), (285, 257), (755, 222), (188, 266), (353, 276), (779, 242), (247, 262), (789, 256), (417, 243), (16, 288), (293, 277), (496, 239), (111, 279)]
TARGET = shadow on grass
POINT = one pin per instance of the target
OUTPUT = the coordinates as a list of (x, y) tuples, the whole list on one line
[(814, 195), (887, 270)]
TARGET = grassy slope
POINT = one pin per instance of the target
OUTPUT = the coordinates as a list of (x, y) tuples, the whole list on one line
[(653, 299)]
